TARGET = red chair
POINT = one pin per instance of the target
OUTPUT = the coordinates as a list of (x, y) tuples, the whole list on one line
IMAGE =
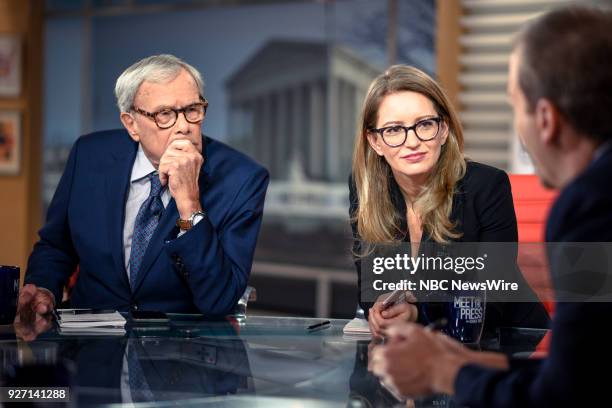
[(69, 286), (532, 203)]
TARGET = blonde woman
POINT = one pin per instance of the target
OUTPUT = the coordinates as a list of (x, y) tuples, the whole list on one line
[(410, 182)]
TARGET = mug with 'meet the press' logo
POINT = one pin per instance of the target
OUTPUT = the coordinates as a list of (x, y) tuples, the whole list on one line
[(9, 292), (467, 316), (464, 314)]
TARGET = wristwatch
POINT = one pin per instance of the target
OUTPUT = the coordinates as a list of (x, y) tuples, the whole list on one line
[(186, 225)]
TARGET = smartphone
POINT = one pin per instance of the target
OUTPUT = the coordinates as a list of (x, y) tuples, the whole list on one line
[(149, 316), (397, 296)]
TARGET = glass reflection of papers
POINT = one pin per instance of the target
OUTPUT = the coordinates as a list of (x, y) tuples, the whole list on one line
[(21, 354)]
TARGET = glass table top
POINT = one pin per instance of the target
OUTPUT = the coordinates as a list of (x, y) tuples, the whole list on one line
[(189, 361)]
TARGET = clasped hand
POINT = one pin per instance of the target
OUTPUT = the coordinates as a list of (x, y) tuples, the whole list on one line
[(380, 319), (179, 168)]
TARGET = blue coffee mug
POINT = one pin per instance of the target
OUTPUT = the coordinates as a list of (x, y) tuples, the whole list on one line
[(9, 293)]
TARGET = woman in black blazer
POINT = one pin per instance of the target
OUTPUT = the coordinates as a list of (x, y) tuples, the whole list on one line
[(410, 182)]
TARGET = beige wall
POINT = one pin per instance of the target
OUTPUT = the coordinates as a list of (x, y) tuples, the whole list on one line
[(20, 212), (448, 30)]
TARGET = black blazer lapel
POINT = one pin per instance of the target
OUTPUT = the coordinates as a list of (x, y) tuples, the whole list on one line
[(456, 215), (400, 208)]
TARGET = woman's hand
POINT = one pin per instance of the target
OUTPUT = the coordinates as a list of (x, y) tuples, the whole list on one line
[(380, 320)]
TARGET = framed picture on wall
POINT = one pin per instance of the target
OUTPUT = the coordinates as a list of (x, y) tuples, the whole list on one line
[(10, 142), (10, 65)]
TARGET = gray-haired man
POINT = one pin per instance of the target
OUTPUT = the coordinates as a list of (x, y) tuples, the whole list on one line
[(155, 216)]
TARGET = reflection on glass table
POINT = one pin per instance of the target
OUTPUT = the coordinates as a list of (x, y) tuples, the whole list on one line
[(189, 361)]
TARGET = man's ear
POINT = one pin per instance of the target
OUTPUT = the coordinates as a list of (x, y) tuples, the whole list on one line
[(547, 120), (375, 142), (130, 125)]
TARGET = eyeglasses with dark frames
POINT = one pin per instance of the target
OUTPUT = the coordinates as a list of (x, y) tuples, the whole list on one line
[(396, 135), (166, 118)]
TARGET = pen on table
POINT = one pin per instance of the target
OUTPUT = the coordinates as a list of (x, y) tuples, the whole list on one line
[(322, 325), (438, 324)]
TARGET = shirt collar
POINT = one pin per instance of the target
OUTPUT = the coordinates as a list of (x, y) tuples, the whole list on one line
[(142, 166), (601, 150)]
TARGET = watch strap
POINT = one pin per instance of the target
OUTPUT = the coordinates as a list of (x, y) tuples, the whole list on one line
[(186, 225)]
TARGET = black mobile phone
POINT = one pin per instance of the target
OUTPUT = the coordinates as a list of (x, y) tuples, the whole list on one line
[(149, 316), (397, 296)]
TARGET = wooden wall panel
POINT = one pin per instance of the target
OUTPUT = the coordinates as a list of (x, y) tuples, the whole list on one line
[(20, 195)]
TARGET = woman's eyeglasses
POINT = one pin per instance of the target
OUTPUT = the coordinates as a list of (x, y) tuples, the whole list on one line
[(396, 135)]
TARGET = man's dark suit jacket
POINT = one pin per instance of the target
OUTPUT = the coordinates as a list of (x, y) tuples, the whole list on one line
[(205, 270), (580, 353), (483, 212)]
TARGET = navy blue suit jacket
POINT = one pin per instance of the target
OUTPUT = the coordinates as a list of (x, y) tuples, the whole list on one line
[(205, 270), (580, 345)]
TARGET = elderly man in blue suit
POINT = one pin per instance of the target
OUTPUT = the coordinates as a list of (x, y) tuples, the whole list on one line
[(560, 88), (156, 216)]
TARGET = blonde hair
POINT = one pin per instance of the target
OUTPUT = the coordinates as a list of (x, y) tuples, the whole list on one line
[(376, 217)]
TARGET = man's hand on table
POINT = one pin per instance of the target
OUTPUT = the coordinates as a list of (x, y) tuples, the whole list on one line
[(33, 312), (416, 361)]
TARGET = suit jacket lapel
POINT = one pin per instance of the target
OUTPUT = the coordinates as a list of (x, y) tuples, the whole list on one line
[(117, 187), (164, 229), (155, 247)]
